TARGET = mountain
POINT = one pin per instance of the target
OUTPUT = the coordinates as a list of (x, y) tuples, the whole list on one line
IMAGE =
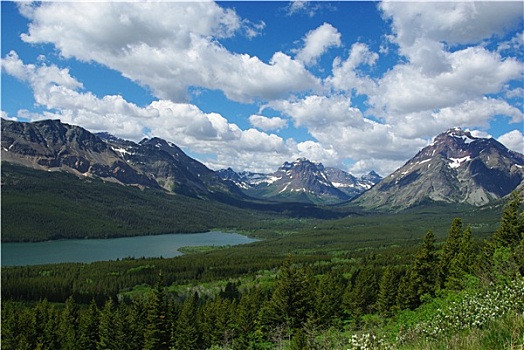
[(350, 184), (302, 181), (155, 163), (456, 168)]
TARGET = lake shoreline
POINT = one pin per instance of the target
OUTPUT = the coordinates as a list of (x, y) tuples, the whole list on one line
[(105, 249)]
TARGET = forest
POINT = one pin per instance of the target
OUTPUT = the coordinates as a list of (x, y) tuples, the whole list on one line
[(461, 290)]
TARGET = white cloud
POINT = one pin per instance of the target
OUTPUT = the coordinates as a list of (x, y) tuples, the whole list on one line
[(266, 124), (182, 123), (318, 41), (436, 77), (471, 113), (337, 125), (514, 140), (475, 72), (166, 46), (346, 75), (450, 22)]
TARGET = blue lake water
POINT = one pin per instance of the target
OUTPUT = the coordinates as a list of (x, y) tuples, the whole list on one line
[(89, 250)]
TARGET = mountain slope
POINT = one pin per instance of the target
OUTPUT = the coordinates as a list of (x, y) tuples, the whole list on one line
[(455, 168), (302, 181), (152, 163)]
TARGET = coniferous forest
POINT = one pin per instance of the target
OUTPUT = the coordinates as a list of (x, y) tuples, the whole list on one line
[(460, 290)]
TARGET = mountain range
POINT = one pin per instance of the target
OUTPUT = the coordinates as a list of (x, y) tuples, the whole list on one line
[(456, 168), (302, 181)]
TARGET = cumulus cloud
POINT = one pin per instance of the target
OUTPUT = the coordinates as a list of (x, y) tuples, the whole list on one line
[(337, 125), (435, 76), (182, 123), (308, 8), (450, 22), (318, 41), (449, 73), (345, 74), (167, 47), (514, 140), (266, 124), (475, 72), (471, 113)]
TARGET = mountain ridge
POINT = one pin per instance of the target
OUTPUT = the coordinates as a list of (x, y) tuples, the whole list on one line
[(303, 181), (456, 168)]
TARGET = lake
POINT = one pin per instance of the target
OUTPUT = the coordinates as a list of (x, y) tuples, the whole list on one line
[(89, 250)]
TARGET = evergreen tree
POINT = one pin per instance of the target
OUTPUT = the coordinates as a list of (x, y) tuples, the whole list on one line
[(449, 250), (462, 263), (328, 298), (106, 331), (363, 295), (387, 292), (88, 328), (246, 319), (187, 332), (135, 324), (406, 294), (158, 330), (503, 254), (291, 300), (511, 229), (67, 329), (424, 270)]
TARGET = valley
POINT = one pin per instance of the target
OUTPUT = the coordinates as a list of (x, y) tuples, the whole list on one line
[(329, 271)]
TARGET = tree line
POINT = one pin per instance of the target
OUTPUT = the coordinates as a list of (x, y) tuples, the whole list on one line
[(306, 298)]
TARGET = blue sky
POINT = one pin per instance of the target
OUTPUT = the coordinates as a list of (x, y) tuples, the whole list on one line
[(358, 85)]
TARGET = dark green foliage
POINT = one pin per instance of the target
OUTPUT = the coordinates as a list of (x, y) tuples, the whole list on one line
[(328, 298), (387, 293), (337, 276), (424, 270), (39, 205), (361, 298), (157, 333), (511, 229), (186, 332), (462, 263), (291, 300), (503, 254), (89, 335)]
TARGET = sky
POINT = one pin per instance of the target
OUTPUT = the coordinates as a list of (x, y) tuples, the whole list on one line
[(249, 85)]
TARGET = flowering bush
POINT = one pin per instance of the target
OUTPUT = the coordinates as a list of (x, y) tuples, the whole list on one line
[(368, 341), (474, 310)]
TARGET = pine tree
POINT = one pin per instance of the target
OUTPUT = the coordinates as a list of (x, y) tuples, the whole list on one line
[(425, 266), (462, 263), (387, 292), (246, 318), (67, 329), (88, 327), (328, 298), (106, 329), (363, 295), (187, 331), (292, 298), (449, 250), (511, 229), (503, 254), (406, 294), (158, 333)]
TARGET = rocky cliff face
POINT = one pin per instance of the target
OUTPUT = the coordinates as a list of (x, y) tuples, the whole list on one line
[(156, 163), (456, 168)]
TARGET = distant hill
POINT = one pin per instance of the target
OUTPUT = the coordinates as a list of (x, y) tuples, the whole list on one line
[(302, 181), (456, 168)]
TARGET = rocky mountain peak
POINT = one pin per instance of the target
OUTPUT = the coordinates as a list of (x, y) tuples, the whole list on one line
[(456, 167)]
